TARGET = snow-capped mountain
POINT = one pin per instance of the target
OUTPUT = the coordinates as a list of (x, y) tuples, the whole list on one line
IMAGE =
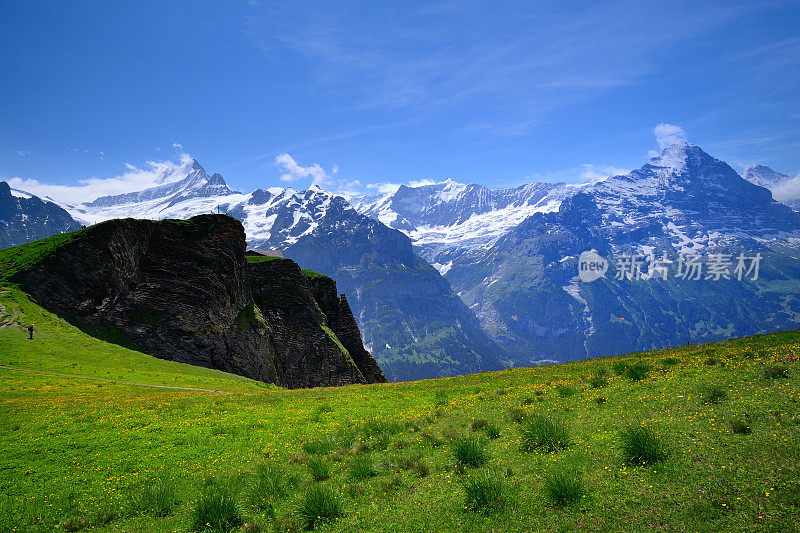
[(512, 254), (449, 219), (529, 298), (779, 183), (763, 176), (25, 218), (273, 218), (182, 192), (412, 322)]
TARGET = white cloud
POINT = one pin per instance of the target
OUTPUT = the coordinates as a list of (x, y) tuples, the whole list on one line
[(384, 187), (388, 188), (667, 134), (348, 189), (422, 183), (787, 190), (595, 174), (22, 153), (292, 171), (133, 179)]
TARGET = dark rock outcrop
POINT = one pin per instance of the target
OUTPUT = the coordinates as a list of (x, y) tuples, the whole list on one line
[(314, 354), (183, 291), (344, 326)]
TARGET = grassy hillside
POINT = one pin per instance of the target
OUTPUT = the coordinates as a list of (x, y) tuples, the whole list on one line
[(102, 455)]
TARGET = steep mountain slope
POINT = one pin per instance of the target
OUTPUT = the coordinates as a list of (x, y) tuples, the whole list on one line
[(183, 291), (25, 218), (775, 181), (183, 192), (528, 296), (448, 220), (413, 323)]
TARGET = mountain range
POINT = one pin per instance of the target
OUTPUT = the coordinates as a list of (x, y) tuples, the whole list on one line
[(451, 278)]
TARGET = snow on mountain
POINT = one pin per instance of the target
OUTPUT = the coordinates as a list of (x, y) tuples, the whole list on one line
[(273, 218), (689, 198), (183, 192), (763, 176), (784, 188), (25, 217), (526, 292), (448, 219)]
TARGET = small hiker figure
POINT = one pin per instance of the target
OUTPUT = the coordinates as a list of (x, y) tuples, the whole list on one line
[(30, 331)]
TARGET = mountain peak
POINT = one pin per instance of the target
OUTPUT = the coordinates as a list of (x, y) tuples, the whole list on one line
[(764, 176), (676, 156)]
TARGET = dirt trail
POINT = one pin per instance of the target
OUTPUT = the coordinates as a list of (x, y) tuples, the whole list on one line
[(76, 376)]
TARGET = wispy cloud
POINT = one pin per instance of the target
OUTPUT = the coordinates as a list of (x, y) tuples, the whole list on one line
[(292, 171), (585, 173), (667, 134), (787, 190), (518, 64), (133, 179), (22, 153), (295, 172)]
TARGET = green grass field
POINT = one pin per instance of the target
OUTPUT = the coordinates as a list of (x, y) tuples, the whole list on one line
[(78, 453)]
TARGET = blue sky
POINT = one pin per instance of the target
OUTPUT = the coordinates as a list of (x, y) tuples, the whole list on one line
[(494, 93)]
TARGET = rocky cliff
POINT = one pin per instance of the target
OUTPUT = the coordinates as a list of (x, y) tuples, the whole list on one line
[(343, 323), (183, 291), (305, 325)]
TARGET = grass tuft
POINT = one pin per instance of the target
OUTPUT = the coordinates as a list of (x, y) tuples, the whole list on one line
[(470, 451), (544, 432), (478, 424), (154, 499), (714, 395), (517, 415), (641, 445), (319, 468), (361, 468), (619, 368), (492, 431), (483, 492), (776, 372), (564, 488), (319, 505), (442, 398), (565, 391), (217, 509), (322, 446), (415, 464), (741, 427), (598, 382), (637, 371), (266, 485)]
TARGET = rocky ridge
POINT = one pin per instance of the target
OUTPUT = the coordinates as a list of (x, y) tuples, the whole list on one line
[(184, 291)]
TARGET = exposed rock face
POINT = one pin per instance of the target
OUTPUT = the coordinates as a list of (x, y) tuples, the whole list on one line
[(180, 290), (413, 323), (313, 354), (343, 323)]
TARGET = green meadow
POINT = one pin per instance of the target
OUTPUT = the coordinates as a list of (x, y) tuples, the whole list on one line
[(698, 438)]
